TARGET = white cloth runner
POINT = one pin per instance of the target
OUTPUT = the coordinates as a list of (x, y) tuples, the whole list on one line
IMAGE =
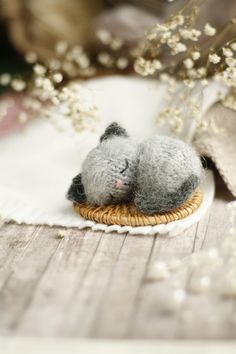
[(37, 165)]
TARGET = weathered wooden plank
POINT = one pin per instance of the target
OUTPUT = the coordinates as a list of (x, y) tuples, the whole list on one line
[(152, 318), (14, 241), (119, 299), (59, 284), (19, 289), (217, 224), (206, 316), (84, 306), (201, 231)]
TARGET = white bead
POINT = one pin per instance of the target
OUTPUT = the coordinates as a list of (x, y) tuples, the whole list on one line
[(179, 296), (158, 271)]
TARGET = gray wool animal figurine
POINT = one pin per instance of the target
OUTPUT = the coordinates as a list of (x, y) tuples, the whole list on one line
[(157, 175)]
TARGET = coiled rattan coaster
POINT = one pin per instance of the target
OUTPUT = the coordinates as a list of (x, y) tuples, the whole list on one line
[(129, 215)]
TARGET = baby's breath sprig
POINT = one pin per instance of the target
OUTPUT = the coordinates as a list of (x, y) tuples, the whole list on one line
[(112, 56), (178, 37), (191, 55), (48, 87)]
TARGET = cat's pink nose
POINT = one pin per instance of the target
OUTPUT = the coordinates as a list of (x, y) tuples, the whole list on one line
[(119, 184)]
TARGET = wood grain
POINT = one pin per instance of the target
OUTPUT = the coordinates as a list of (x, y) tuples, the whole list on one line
[(71, 283)]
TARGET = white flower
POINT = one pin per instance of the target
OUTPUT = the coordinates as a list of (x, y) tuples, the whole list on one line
[(188, 63), (83, 61), (116, 44), (172, 41), (122, 63), (161, 28), (151, 35), (209, 30), (228, 76), (105, 59), (165, 36), (104, 36), (192, 73), (54, 64), (233, 46), (140, 66), (204, 82), (202, 71), (164, 77), (192, 34), (31, 57), (214, 58), (61, 47), (57, 77), (180, 19), (196, 55), (189, 83), (227, 52), (230, 61), (157, 64), (180, 47), (18, 85), (39, 69), (5, 79), (147, 67)]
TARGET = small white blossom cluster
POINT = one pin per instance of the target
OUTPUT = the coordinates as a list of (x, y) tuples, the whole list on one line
[(214, 58), (146, 67), (190, 34), (106, 38), (179, 36), (181, 105), (177, 33), (229, 100), (45, 87), (72, 97), (16, 83), (168, 34), (78, 106), (107, 60), (190, 62), (110, 56), (209, 30), (227, 76), (71, 61)]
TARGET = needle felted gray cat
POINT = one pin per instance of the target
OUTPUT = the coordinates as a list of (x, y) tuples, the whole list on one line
[(158, 174)]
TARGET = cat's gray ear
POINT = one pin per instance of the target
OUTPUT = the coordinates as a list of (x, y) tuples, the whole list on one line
[(114, 129), (76, 191)]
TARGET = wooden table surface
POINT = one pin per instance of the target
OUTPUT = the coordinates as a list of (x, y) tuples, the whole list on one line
[(58, 282)]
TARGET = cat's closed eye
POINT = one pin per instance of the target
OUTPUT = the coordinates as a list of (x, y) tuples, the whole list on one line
[(126, 166)]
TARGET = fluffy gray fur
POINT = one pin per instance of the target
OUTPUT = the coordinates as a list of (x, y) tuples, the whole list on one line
[(158, 174)]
